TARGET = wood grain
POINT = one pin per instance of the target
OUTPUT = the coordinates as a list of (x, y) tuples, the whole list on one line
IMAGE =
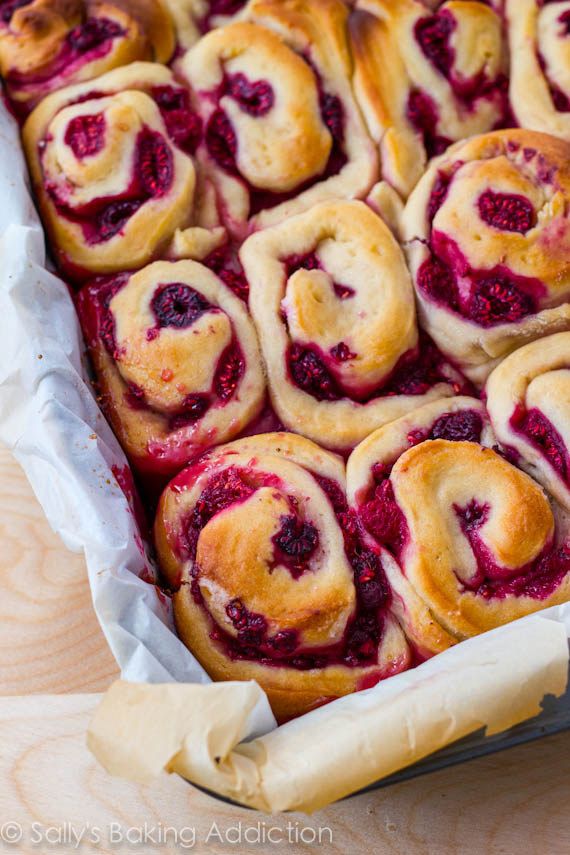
[(511, 803), (50, 642)]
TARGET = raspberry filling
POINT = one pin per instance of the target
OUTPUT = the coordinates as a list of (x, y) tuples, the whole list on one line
[(310, 261), (423, 115), (177, 305), (85, 135), (537, 428), (225, 263), (174, 305), (257, 98), (8, 7), (559, 98), (194, 408), (220, 7), (538, 579), (416, 372), (341, 352), (88, 41), (433, 34), (564, 20), (462, 426), (438, 194), (93, 33), (221, 141), (104, 218), (229, 372), (486, 297), (508, 212), (294, 544), (254, 97), (184, 126), (312, 370), (382, 517)]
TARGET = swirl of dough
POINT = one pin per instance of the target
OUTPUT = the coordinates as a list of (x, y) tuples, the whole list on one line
[(426, 79), (282, 129), (487, 233), (112, 168), (177, 361), (528, 399), (332, 301), (299, 601), (48, 44), (475, 542), (539, 40)]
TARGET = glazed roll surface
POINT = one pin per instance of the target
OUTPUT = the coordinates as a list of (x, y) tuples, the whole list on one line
[(475, 541), (332, 301), (112, 168), (298, 602), (426, 78), (281, 128), (48, 44), (487, 234), (540, 64), (176, 358)]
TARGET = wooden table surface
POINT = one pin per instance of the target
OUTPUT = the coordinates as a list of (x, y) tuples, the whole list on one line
[(53, 661)]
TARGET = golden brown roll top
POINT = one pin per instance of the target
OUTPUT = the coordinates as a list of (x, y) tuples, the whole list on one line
[(487, 233), (333, 305), (475, 541), (112, 167), (281, 128), (48, 44), (299, 601), (177, 361), (425, 79)]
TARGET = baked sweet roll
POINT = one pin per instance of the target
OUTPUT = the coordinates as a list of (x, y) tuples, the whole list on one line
[(112, 166), (474, 541), (333, 304), (176, 359), (281, 128), (299, 601), (539, 39), (426, 78), (487, 233), (47, 44), (528, 399), (193, 18)]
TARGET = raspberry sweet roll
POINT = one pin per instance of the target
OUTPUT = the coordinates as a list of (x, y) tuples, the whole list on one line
[(528, 399), (539, 40), (475, 542), (193, 18), (47, 44), (112, 167), (298, 601), (333, 304), (487, 233), (425, 79), (281, 127), (176, 359)]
